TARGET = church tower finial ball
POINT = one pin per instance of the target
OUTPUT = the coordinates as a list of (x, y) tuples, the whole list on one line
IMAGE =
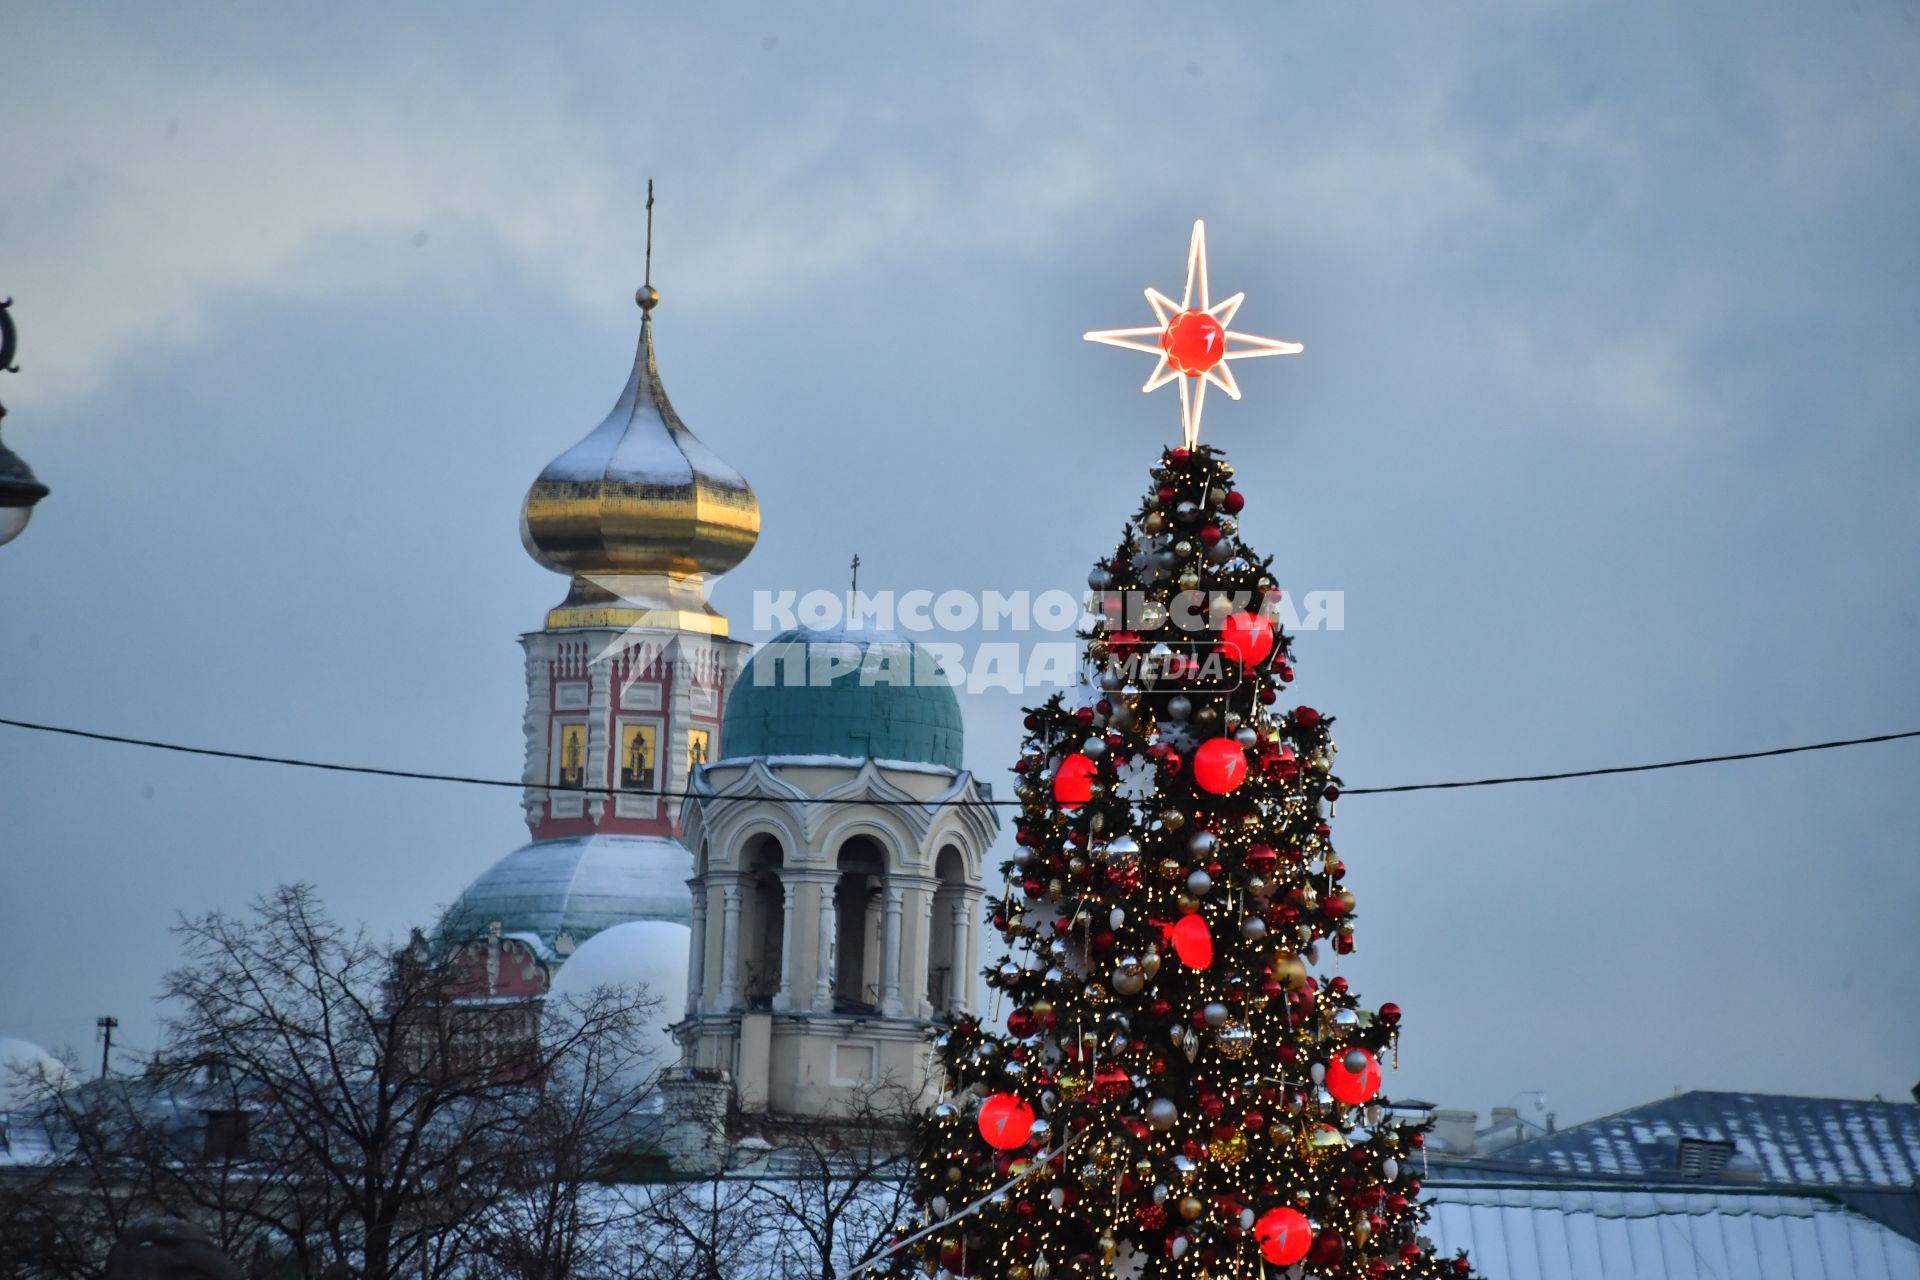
[(1194, 343), (647, 297)]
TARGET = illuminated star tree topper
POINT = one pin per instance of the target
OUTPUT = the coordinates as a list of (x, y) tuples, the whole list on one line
[(1193, 343)]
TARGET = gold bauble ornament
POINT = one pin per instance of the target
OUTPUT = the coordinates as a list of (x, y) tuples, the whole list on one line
[(1189, 581), (1019, 1271), (1288, 969), (1191, 1208), (1171, 869), (1231, 1149), (1187, 903), (1042, 1007), (1150, 963), (1097, 649), (1322, 1143), (1173, 819), (1071, 1087), (1154, 523), (1109, 1248)]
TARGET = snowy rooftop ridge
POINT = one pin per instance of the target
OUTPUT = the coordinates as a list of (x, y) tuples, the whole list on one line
[(1805, 1142)]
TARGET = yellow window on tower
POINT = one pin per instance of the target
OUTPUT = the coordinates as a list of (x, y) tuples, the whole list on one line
[(698, 741), (638, 753), (573, 754)]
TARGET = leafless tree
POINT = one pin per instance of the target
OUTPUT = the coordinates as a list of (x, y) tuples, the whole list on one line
[(718, 1227), (836, 1187), (326, 1100)]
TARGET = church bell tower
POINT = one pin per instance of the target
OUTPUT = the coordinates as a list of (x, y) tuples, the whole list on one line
[(627, 682)]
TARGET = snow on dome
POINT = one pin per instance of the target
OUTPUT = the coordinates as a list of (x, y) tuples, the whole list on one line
[(577, 886), (23, 1066), (645, 953)]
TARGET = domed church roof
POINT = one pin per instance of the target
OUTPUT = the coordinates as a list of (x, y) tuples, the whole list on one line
[(575, 887), (860, 694), (640, 512)]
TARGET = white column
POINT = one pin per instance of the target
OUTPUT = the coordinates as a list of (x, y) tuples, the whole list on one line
[(697, 959), (538, 725), (959, 973), (922, 953), (783, 998), (730, 949), (824, 975), (600, 748), (890, 953)]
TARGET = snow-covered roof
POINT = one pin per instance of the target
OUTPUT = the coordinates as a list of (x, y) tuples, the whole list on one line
[(576, 886), (1551, 1233), (1806, 1142), (26, 1069)]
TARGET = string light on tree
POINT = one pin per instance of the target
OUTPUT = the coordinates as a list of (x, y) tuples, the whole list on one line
[(1192, 344)]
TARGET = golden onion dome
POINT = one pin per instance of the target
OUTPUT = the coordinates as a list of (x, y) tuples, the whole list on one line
[(640, 513)]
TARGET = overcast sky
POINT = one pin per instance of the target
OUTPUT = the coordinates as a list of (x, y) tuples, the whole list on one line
[(1605, 428)]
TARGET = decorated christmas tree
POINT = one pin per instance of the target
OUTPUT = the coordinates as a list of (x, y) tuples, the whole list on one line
[(1175, 1092)]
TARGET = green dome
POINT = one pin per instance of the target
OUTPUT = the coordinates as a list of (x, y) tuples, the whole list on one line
[(860, 694)]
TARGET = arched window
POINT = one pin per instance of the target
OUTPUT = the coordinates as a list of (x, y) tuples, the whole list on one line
[(856, 899), (949, 983), (763, 920)]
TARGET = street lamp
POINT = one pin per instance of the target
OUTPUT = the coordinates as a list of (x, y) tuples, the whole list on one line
[(18, 488)]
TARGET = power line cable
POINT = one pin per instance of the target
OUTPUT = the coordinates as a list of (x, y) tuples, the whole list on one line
[(518, 784)]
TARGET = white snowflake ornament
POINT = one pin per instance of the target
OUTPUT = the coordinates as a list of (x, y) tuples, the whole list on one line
[(1177, 735), (1128, 1262), (1135, 778)]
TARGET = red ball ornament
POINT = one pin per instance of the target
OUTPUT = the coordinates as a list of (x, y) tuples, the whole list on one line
[(1073, 781), (1247, 638), (1194, 342), (1219, 765), (1328, 1249), (1285, 1235), (1354, 1087), (1193, 942), (1306, 717), (1006, 1122), (1390, 1013)]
